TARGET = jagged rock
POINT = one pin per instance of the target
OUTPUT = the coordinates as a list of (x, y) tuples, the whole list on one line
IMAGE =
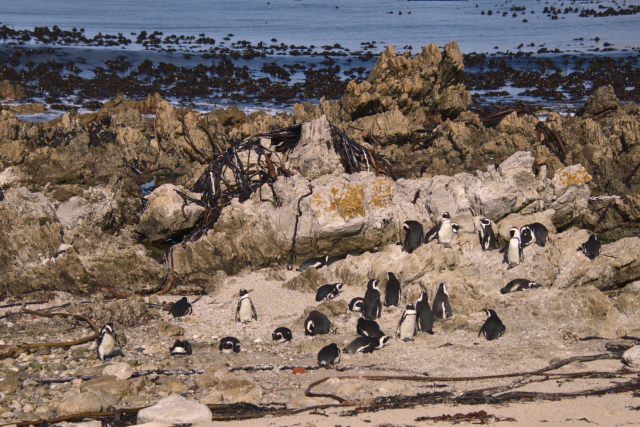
[(80, 212), (108, 384), (215, 283), (123, 312), (166, 329), (601, 100), (14, 151), (518, 220), (175, 409), (172, 385), (8, 92), (89, 401), (568, 194), (122, 371), (240, 388), (9, 126), (212, 398), (631, 357), (165, 216), (307, 281), (390, 127), (315, 154), (30, 108)]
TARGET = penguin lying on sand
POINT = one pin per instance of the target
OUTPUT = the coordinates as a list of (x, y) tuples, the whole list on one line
[(180, 347), (392, 291), (407, 324), (329, 355), (181, 308), (313, 262), (366, 344), (368, 328), (414, 236), (443, 231), (493, 327), (517, 285), (425, 316), (229, 345), (108, 344), (282, 334), (372, 307), (487, 238), (327, 292), (591, 248), (317, 323), (441, 307), (245, 311), (533, 233), (356, 304)]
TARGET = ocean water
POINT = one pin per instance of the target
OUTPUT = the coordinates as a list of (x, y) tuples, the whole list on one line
[(347, 22)]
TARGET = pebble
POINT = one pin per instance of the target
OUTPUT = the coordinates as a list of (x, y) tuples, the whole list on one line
[(175, 409)]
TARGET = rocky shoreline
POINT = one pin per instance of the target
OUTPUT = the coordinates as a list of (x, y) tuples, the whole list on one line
[(104, 210)]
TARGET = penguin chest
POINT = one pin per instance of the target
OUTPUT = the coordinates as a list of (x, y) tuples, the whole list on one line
[(408, 327), (513, 254), (445, 234), (245, 314), (337, 359), (107, 346), (179, 350)]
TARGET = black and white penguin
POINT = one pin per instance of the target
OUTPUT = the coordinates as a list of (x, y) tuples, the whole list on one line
[(441, 307), (327, 292), (392, 291), (329, 355), (335, 258), (487, 238), (517, 285), (493, 327), (407, 324), (368, 328), (180, 347), (313, 262), (181, 308), (282, 334), (245, 312), (372, 307), (229, 345), (425, 316), (366, 344), (316, 323), (414, 236), (591, 248), (356, 304), (533, 233), (443, 231), (108, 344), (513, 250)]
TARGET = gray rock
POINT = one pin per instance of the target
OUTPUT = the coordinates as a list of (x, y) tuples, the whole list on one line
[(602, 99), (166, 329), (631, 357), (108, 384), (94, 400), (164, 215), (175, 409), (79, 212), (122, 371), (10, 385), (390, 127), (212, 398), (315, 154)]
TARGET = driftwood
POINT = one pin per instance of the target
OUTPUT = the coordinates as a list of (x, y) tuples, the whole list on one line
[(295, 229)]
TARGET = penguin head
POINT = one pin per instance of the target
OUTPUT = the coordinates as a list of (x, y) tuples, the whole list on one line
[(276, 336), (405, 227), (108, 328), (455, 226), (373, 284), (236, 347), (184, 300), (423, 296), (410, 306), (339, 286), (243, 292), (382, 341), (443, 288), (486, 222), (446, 215), (489, 312), (514, 232), (534, 285), (309, 326)]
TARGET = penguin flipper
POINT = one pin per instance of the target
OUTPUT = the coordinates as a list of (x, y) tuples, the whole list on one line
[(418, 327), (254, 314), (448, 311), (404, 315), (237, 318), (432, 234), (481, 329)]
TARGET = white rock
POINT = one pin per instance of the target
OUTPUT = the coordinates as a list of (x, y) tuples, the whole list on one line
[(175, 409), (120, 370), (631, 357), (212, 398)]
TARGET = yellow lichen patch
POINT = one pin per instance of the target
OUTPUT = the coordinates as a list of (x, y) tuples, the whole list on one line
[(349, 201), (380, 193), (572, 175), (320, 202)]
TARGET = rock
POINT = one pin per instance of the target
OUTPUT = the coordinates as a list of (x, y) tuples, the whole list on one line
[(212, 398), (14, 151), (215, 283), (315, 154), (601, 100), (153, 424), (78, 212), (108, 384), (175, 409), (301, 402), (350, 388), (122, 312), (166, 329), (88, 401), (164, 216), (8, 92), (240, 388), (10, 385), (517, 220), (631, 357), (568, 194), (390, 127), (122, 371), (30, 108), (307, 281), (173, 385)]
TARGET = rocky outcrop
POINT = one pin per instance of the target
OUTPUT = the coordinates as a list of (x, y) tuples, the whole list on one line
[(602, 100), (8, 92), (315, 154)]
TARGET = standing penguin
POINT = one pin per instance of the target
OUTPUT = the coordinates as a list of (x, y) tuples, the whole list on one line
[(282, 334), (493, 327), (368, 328), (443, 231), (441, 307), (327, 292), (372, 308), (591, 248), (180, 347), (245, 311), (316, 323), (107, 343), (487, 238), (533, 233), (513, 249), (519, 285), (392, 291), (414, 236), (229, 345), (407, 324), (425, 316), (366, 344), (356, 304), (329, 355)]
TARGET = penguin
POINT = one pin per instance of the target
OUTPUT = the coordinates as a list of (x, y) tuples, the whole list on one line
[(392, 291), (181, 308), (229, 345), (180, 347), (107, 343), (316, 323), (366, 344), (245, 311), (335, 258), (407, 324), (533, 233), (443, 231), (441, 307), (591, 248), (356, 304), (513, 250), (313, 262), (487, 238), (424, 318), (368, 328), (372, 308), (493, 327), (282, 334), (519, 285), (456, 227), (327, 292), (329, 355), (414, 236)]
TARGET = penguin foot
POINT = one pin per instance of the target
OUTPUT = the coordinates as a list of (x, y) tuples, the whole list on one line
[(447, 245)]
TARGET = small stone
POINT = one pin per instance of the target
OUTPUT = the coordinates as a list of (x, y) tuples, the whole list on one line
[(298, 370), (166, 329), (212, 398), (631, 357), (29, 382), (10, 385), (350, 388), (7, 415), (175, 409), (76, 381), (120, 370), (107, 383), (301, 402), (173, 385)]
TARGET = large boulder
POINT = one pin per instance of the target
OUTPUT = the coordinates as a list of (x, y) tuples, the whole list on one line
[(175, 409), (601, 100), (315, 154)]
